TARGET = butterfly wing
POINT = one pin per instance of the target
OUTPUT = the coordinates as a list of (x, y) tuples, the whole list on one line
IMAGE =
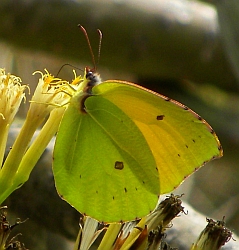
[(131, 144), (179, 139), (103, 165)]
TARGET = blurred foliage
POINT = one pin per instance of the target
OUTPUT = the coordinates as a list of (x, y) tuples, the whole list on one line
[(187, 50)]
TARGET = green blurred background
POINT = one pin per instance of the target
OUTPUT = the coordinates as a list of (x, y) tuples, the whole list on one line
[(187, 50)]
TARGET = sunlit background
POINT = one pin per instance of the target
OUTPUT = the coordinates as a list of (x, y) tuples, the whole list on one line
[(187, 50)]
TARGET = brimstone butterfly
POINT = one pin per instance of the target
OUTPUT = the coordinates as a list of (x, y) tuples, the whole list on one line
[(119, 146)]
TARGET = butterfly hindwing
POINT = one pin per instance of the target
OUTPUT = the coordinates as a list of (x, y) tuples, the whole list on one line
[(112, 172)]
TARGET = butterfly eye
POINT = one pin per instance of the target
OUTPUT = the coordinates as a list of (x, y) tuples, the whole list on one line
[(90, 75)]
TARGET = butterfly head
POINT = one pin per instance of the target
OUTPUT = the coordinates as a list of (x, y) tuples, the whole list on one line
[(92, 77)]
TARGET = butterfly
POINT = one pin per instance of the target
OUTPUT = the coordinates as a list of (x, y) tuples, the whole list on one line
[(119, 146)]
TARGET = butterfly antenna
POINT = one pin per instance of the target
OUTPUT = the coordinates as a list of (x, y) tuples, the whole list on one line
[(88, 41), (67, 64), (100, 42)]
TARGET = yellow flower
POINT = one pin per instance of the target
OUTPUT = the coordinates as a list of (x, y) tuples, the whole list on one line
[(49, 94), (52, 92), (11, 95)]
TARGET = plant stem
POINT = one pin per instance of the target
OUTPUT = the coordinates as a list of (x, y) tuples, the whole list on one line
[(110, 236), (4, 128), (15, 155), (35, 117), (35, 151)]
